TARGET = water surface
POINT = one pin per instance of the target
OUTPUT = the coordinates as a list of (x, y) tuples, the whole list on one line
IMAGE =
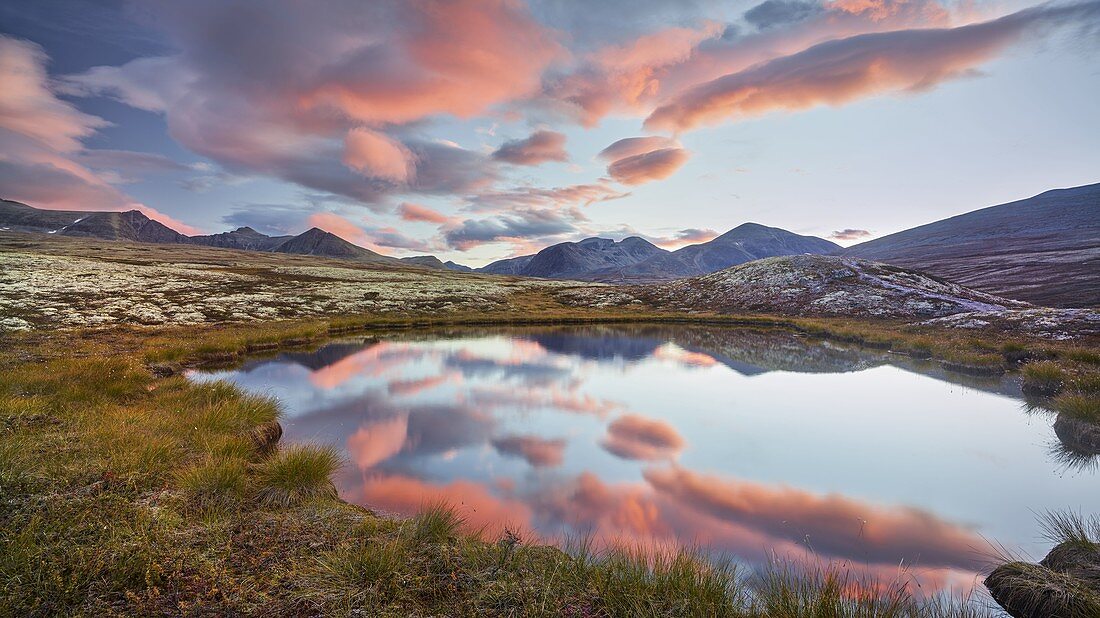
[(748, 442)]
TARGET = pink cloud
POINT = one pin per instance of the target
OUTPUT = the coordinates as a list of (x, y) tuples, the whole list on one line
[(649, 166), (834, 525), (171, 222), (684, 357), (688, 236), (334, 223), (843, 70), (41, 143), (377, 155), (539, 452), (416, 212), (539, 147), (637, 437), (373, 443), (28, 106), (457, 57), (415, 386), (636, 160), (632, 146), (405, 495)]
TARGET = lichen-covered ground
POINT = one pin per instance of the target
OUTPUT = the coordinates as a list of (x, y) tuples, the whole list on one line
[(74, 283), (70, 283)]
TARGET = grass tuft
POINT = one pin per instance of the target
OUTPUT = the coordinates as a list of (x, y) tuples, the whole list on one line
[(1043, 377), (1079, 406), (1069, 527), (297, 474), (437, 523), (215, 483)]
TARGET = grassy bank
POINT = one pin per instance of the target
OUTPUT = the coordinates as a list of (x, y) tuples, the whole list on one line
[(126, 489)]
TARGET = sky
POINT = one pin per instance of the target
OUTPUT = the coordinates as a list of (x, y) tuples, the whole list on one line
[(481, 129)]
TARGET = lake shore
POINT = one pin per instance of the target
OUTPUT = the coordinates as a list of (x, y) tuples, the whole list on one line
[(138, 490)]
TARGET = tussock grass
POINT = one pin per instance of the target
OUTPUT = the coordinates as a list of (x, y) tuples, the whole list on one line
[(1070, 527), (634, 582), (1032, 590), (436, 523), (215, 483), (1079, 405), (831, 592), (296, 474), (1043, 377)]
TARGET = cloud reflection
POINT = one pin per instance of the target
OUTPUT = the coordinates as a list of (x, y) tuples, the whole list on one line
[(414, 442)]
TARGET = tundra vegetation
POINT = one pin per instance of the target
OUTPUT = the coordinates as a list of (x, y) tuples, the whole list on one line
[(127, 489)]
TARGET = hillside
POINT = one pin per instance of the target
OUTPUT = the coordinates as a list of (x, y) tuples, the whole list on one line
[(824, 285), (1044, 249), (507, 266)]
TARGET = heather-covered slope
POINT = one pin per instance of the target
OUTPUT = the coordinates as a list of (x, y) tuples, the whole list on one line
[(1044, 249)]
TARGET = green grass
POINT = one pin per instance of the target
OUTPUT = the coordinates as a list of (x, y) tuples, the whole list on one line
[(215, 483), (436, 523), (297, 473), (1070, 527), (1078, 405), (1043, 377)]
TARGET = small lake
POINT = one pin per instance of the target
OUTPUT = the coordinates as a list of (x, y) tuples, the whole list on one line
[(751, 443)]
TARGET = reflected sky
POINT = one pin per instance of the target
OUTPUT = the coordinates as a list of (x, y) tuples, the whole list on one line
[(748, 442)]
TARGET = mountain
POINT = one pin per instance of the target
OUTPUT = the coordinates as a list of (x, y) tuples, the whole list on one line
[(428, 261), (744, 243), (825, 285), (1044, 249), (507, 266), (575, 260), (316, 241), (636, 259), (131, 225), (19, 217), (461, 268), (134, 226), (241, 238)]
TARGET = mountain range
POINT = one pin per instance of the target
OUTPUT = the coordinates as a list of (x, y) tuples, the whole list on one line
[(1044, 249), (135, 226), (635, 259)]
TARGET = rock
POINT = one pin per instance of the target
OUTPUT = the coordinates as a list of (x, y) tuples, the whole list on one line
[(163, 370), (1077, 435)]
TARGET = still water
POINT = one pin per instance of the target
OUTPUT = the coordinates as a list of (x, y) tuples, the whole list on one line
[(752, 444)]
